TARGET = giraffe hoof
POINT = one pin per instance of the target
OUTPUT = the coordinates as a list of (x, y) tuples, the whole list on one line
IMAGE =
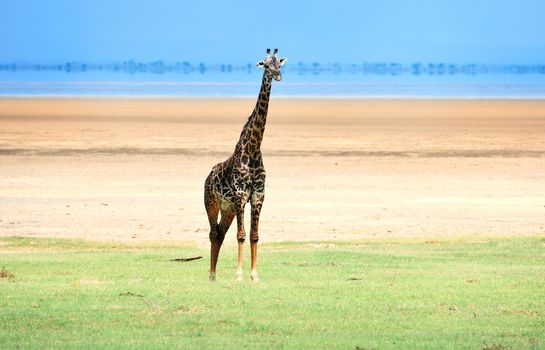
[(254, 277), (239, 276), (212, 278)]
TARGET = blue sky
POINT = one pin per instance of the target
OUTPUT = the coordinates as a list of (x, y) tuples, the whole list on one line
[(238, 31)]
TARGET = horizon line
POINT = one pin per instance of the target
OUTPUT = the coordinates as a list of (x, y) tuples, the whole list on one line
[(160, 67)]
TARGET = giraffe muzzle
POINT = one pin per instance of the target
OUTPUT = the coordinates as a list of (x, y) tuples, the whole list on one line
[(277, 77)]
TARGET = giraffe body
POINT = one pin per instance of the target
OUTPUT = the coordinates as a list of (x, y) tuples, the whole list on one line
[(241, 179)]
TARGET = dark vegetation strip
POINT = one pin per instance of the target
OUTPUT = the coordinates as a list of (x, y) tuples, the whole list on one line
[(497, 153)]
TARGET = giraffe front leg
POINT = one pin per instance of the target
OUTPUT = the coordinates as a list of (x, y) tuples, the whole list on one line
[(257, 202)]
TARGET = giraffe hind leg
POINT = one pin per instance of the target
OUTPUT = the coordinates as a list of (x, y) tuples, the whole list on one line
[(256, 202), (216, 239), (211, 206)]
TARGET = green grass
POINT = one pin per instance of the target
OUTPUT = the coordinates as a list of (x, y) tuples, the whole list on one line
[(487, 294)]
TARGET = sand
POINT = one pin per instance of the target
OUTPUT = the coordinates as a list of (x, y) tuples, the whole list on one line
[(133, 169)]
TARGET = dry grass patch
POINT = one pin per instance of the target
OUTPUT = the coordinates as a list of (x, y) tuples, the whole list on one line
[(6, 274)]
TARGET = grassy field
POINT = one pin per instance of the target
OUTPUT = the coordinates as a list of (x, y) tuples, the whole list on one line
[(462, 294)]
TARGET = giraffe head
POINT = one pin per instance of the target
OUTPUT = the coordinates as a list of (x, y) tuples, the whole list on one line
[(272, 64)]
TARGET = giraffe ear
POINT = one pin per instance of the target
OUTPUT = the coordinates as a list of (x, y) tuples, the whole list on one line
[(282, 61), (260, 64)]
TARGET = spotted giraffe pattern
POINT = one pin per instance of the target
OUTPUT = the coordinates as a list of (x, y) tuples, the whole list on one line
[(241, 178)]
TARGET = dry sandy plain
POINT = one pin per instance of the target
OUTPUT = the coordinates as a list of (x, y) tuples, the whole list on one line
[(134, 169)]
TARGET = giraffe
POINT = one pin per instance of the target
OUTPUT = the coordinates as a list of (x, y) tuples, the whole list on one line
[(241, 178)]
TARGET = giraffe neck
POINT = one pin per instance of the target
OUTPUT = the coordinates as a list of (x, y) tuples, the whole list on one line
[(252, 134)]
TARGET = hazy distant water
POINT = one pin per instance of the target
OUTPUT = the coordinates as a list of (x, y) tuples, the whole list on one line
[(183, 79)]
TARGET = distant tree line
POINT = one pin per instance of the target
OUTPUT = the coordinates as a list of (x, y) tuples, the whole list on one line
[(302, 68)]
